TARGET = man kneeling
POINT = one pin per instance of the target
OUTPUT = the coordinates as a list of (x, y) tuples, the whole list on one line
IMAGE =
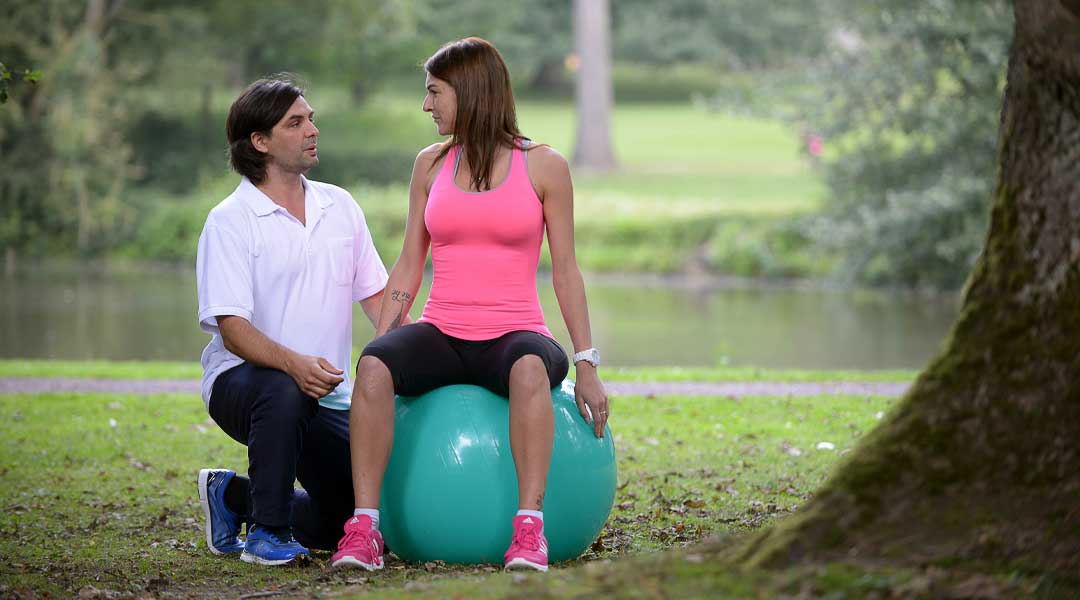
[(280, 262)]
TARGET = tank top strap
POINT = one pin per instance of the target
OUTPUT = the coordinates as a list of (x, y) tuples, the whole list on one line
[(518, 166), (449, 166)]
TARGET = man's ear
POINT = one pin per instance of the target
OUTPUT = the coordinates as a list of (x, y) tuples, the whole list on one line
[(258, 140)]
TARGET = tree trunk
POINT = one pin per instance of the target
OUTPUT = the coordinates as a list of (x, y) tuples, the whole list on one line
[(592, 38), (10, 262), (981, 459)]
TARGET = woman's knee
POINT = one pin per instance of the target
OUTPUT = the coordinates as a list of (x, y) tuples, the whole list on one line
[(372, 376), (529, 372)]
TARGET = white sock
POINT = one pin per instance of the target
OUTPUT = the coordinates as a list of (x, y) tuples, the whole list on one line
[(373, 513), (539, 514)]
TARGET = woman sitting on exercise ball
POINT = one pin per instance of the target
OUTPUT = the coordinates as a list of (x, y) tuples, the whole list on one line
[(481, 201)]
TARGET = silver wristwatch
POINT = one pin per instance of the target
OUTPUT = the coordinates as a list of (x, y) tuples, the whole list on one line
[(590, 355)]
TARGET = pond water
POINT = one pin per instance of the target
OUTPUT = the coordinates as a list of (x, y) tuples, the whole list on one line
[(151, 315)]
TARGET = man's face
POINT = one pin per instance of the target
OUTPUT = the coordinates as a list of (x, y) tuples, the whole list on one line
[(291, 145)]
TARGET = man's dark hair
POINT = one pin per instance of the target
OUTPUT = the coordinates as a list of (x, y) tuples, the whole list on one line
[(258, 109)]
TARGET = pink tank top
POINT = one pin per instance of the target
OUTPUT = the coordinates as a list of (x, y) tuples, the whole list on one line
[(485, 247)]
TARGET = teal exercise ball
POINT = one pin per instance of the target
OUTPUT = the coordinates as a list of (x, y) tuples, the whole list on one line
[(450, 489)]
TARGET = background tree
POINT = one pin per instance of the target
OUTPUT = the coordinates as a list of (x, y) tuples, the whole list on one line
[(906, 103), (978, 462), (592, 39), (66, 134)]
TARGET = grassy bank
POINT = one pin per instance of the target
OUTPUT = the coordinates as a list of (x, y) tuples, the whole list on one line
[(192, 370), (695, 189), (118, 510)]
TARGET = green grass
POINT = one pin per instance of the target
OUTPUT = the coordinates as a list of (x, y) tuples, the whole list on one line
[(100, 369), (732, 374), (679, 160), (191, 370), (117, 509)]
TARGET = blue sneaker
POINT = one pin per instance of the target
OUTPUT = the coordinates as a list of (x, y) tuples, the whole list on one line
[(266, 548), (222, 524)]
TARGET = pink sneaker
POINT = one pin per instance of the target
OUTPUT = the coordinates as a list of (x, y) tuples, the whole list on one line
[(362, 545), (528, 548)]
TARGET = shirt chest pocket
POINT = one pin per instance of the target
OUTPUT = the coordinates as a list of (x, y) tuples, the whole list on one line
[(337, 256)]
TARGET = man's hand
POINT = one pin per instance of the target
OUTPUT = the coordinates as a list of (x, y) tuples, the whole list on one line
[(588, 391), (314, 374)]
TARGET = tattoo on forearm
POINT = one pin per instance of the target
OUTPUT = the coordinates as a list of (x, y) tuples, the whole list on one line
[(403, 298)]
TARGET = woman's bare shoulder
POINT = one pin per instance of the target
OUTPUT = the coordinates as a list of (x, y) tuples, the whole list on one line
[(428, 155), (547, 160)]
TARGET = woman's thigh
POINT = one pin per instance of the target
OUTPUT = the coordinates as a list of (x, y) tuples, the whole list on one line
[(490, 366), (420, 358)]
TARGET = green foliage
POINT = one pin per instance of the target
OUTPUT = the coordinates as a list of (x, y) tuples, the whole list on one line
[(672, 83), (533, 37), (908, 104), (28, 76), (728, 34), (765, 248)]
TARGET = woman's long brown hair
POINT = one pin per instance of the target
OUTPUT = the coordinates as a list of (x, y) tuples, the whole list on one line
[(485, 119)]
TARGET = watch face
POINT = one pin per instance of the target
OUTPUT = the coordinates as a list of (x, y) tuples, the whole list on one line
[(591, 355)]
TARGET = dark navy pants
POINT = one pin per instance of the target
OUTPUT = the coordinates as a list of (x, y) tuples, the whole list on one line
[(289, 437)]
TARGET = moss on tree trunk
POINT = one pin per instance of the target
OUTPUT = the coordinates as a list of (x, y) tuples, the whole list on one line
[(981, 459)]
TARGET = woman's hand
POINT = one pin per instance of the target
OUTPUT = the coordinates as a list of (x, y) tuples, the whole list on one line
[(589, 392)]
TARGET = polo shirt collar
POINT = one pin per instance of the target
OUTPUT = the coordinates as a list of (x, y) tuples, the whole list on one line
[(323, 198), (262, 205)]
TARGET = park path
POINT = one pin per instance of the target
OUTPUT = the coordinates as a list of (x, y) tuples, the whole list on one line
[(733, 389)]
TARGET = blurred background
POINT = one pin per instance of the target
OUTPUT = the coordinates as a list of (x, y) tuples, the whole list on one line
[(798, 183)]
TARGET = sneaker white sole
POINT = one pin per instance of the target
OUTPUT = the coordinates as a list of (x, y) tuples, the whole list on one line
[(204, 474), (349, 561), (256, 560), (520, 564)]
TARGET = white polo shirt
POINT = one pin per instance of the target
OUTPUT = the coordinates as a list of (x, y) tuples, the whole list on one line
[(294, 282)]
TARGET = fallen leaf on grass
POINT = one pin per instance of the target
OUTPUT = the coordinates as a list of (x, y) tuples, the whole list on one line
[(727, 489), (90, 592), (790, 450), (434, 565)]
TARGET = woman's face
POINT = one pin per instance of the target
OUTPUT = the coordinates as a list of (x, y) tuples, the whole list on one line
[(441, 102)]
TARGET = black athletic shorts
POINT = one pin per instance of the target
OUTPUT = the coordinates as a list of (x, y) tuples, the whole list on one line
[(422, 358)]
